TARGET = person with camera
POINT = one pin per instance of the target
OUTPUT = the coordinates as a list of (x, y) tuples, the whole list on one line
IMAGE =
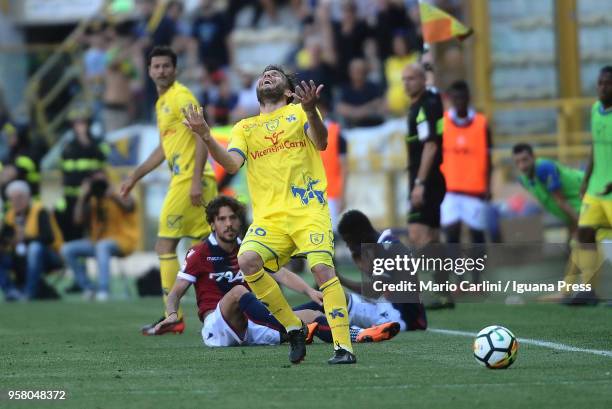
[(113, 230), (30, 240)]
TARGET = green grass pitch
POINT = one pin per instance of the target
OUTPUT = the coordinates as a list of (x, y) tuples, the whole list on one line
[(95, 353)]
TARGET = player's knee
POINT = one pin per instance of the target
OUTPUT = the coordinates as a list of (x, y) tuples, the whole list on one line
[(250, 262), (323, 273), (585, 235), (236, 293)]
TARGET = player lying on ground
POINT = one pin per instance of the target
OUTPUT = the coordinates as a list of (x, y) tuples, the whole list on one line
[(281, 149), (355, 229), (232, 315)]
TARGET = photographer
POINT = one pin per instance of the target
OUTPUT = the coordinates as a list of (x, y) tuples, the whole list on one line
[(30, 241), (113, 230)]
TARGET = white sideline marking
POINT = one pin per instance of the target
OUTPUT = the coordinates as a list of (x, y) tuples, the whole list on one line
[(538, 342)]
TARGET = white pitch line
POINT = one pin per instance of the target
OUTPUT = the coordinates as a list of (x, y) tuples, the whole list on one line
[(538, 342)]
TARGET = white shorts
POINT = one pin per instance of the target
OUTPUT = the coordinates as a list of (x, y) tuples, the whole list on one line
[(216, 332), (364, 313), (457, 207)]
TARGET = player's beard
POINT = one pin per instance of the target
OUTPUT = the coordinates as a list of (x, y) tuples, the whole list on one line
[(270, 95), (229, 236), (165, 83)]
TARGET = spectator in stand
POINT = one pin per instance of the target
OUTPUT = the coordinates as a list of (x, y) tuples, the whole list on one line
[(113, 227), (219, 100), (361, 101), (210, 31), (265, 14), (315, 62), (375, 66), (153, 28), (94, 66), (182, 29), (31, 241), (397, 99), (121, 70), (350, 35), (391, 18)]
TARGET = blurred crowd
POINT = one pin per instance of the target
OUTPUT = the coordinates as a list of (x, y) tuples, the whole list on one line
[(356, 48)]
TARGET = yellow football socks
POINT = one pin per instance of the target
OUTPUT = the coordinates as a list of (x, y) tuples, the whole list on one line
[(334, 302), (268, 292), (168, 268), (588, 259)]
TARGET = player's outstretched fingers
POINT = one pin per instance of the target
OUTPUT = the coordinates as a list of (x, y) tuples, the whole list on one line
[(319, 89), (298, 94)]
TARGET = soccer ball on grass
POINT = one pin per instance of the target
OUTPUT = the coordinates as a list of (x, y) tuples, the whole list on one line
[(495, 347)]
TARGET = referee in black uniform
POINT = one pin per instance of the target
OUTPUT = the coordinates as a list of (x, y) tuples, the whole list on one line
[(427, 185)]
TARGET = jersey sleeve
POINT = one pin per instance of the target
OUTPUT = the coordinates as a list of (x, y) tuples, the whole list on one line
[(548, 174), (237, 141), (430, 120), (192, 267)]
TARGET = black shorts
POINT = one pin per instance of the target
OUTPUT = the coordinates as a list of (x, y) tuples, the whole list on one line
[(429, 213)]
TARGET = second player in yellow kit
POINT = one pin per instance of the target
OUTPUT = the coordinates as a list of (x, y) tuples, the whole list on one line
[(179, 218), (192, 184)]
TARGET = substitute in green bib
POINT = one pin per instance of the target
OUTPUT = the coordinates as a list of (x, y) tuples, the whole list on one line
[(556, 187)]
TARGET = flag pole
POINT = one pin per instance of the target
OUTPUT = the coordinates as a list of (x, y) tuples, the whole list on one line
[(427, 55)]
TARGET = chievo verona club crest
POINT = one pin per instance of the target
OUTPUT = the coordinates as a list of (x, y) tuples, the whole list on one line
[(307, 193)]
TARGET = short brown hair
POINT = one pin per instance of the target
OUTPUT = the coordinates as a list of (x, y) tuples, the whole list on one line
[(214, 206), (162, 51)]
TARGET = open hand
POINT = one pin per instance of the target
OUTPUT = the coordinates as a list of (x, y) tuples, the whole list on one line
[(170, 319), (194, 120), (316, 296), (126, 186), (308, 94)]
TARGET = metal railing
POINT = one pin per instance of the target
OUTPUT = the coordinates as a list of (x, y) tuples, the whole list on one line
[(54, 82), (61, 70), (568, 142)]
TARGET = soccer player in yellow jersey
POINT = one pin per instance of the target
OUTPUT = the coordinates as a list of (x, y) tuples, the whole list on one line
[(287, 185), (193, 182)]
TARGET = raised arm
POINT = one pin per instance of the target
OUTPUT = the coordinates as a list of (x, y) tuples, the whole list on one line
[(194, 120), (308, 94), (154, 160), (201, 156)]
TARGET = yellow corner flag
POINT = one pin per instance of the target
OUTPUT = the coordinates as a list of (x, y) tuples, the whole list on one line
[(439, 26)]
